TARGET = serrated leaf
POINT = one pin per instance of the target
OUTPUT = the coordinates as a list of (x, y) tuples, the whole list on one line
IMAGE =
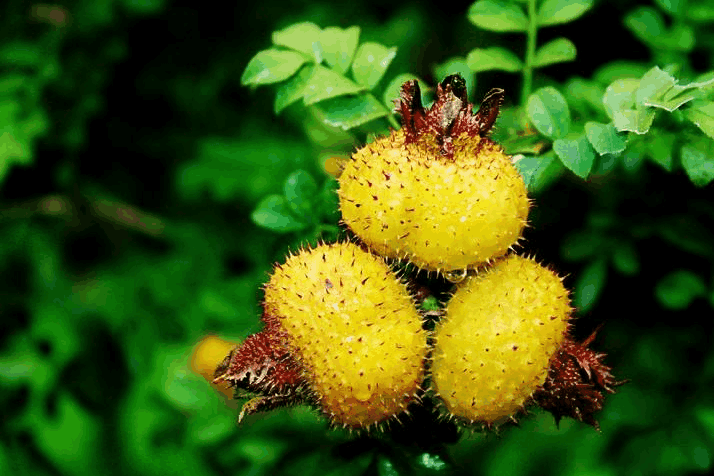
[(678, 289), (605, 138), (325, 83), (271, 66), (559, 50), (274, 213), (620, 104), (702, 116), (303, 37), (339, 46), (371, 62), (348, 112), (589, 285), (539, 171), (495, 58), (548, 112), (659, 89), (456, 65), (497, 15), (660, 148), (300, 190), (394, 88), (625, 259), (698, 161), (293, 89), (577, 155), (554, 12)]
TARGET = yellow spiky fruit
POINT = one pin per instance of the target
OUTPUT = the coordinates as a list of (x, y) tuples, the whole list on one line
[(355, 329), (438, 193), (494, 345)]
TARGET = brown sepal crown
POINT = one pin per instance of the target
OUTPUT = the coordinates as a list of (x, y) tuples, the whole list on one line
[(262, 364), (576, 381), (450, 115)]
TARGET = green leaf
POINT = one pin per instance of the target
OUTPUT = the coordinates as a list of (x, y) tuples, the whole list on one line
[(702, 12), (497, 15), (554, 12), (274, 213), (659, 89), (457, 65), (688, 233), (20, 54), (339, 46), (325, 83), (271, 66), (672, 6), (145, 7), (585, 97), (300, 190), (559, 50), (293, 89), (394, 88), (370, 63), (539, 171), (605, 138), (660, 148), (348, 112), (702, 115), (625, 259), (577, 155), (548, 112), (495, 58), (678, 289), (648, 26), (582, 245), (626, 115), (614, 70), (698, 161), (589, 285), (303, 37)]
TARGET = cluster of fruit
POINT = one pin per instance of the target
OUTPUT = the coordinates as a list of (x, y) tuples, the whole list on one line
[(344, 333)]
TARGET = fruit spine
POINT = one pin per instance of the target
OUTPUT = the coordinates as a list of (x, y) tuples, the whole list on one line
[(438, 193)]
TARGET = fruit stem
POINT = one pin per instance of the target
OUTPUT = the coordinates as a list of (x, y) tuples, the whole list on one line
[(530, 51)]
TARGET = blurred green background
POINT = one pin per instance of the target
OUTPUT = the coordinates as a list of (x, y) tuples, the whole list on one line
[(131, 160)]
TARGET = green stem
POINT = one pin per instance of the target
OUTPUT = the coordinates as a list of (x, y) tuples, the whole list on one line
[(530, 52)]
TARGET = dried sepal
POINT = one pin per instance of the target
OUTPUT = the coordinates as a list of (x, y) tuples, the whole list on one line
[(576, 381), (451, 114), (263, 365)]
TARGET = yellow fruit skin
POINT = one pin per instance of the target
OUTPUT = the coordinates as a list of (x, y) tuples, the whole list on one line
[(499, 332), (355, 329), (409, 201)]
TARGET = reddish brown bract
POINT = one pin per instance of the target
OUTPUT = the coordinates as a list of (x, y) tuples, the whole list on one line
[(262, 364), (450, 115), (575, 383)]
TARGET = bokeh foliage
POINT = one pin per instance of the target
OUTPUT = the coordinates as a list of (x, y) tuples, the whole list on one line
[(145, 193)]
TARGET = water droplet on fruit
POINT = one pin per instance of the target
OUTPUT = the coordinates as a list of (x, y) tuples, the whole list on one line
[(456, 276), (363, 394)]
